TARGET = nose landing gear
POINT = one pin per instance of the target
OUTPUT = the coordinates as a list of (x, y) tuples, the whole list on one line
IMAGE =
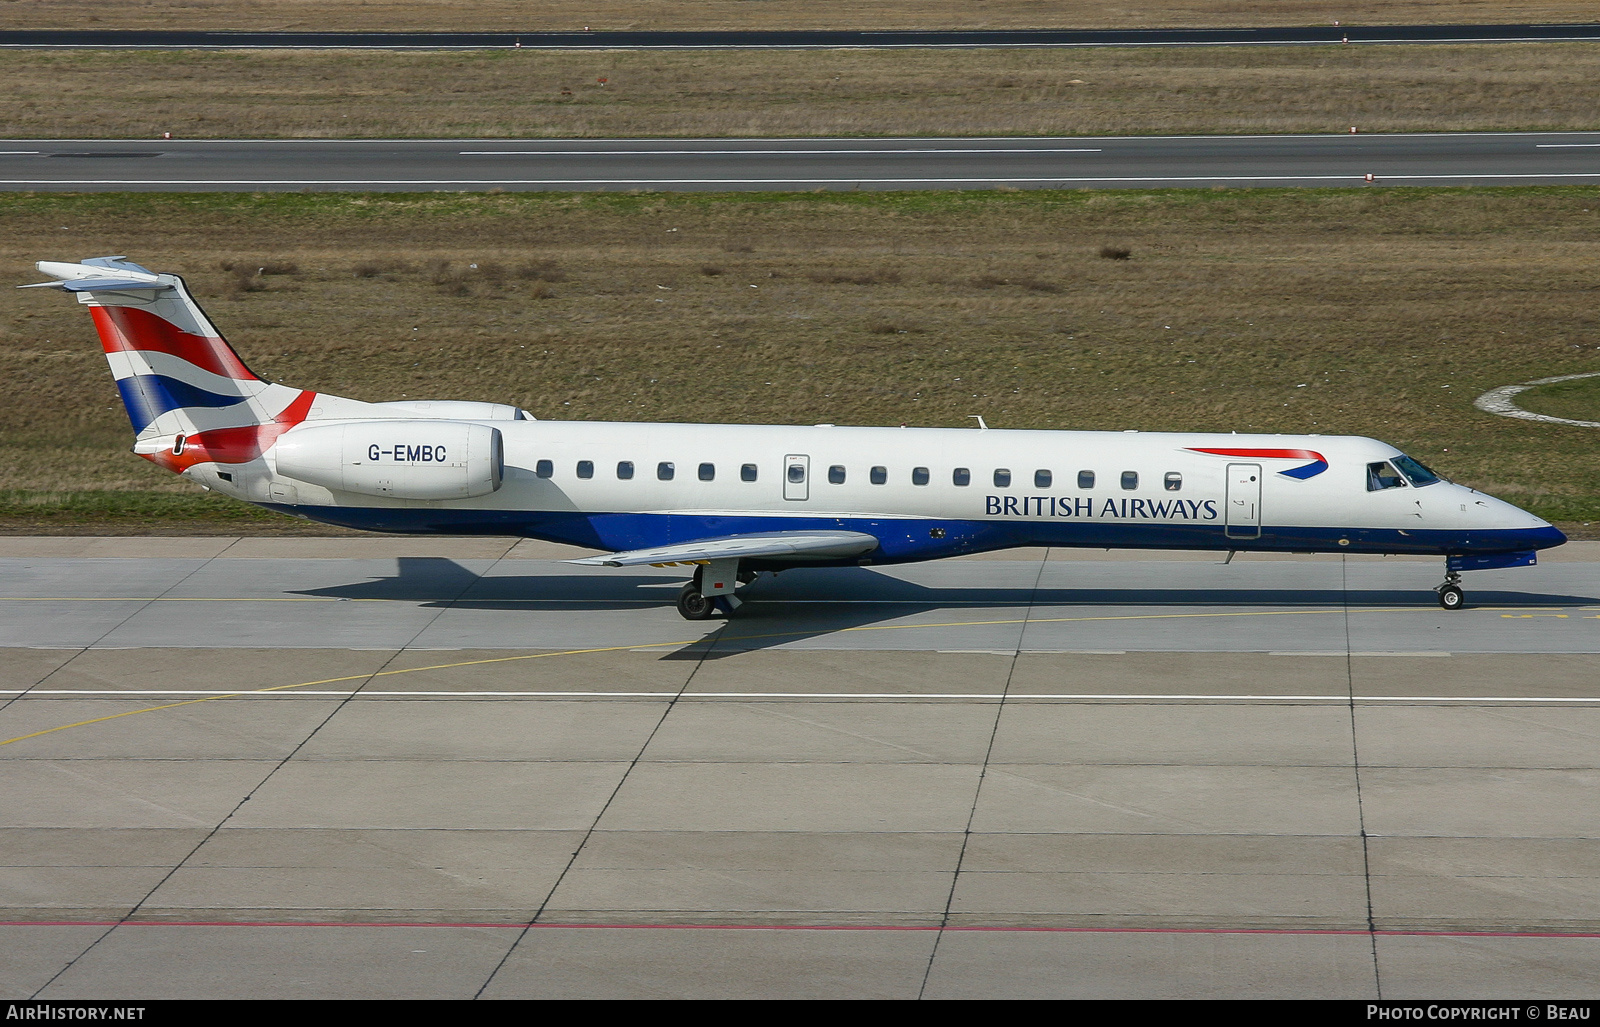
[(1450, 595)]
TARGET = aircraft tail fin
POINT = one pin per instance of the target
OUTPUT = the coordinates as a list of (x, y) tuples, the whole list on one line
[(179, 378), (174, 369)]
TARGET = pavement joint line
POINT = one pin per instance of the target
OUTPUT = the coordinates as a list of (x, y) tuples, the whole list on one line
[(306, 684), (983, 773), (200, 566), (279, 765), (719, 639), (710, 639), (1355, 767)]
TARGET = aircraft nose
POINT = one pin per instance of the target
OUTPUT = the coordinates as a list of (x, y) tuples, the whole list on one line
[(1546, 537)]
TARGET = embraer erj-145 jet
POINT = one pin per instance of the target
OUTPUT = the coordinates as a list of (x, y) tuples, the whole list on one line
[(732, 500)]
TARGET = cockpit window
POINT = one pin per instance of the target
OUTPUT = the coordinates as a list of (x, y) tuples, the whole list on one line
[(1382, 475), (1418, 474)]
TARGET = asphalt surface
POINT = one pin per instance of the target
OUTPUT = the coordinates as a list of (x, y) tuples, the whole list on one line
[(180, 39), (1489, 158), (440, 768)]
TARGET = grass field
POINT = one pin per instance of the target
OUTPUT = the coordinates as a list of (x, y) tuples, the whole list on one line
[(500, 15), (315, 94), (1577, 401), (1380, 312)]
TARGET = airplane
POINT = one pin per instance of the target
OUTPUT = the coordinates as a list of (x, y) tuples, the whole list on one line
[(729, 501)]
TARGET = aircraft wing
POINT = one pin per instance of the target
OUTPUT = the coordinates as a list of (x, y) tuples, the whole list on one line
[(819, 545)]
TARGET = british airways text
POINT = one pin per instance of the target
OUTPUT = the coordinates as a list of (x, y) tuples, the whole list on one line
[(1149, 509), (407, 454)]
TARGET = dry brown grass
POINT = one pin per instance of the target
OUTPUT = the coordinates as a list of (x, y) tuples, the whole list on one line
[(553, 15), (1379, 312), (801, 93)]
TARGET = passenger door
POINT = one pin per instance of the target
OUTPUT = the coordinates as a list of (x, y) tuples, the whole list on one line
[(796, 476), (1243, 517)]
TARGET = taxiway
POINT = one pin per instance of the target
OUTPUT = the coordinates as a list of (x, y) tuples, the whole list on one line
[(453, 767)]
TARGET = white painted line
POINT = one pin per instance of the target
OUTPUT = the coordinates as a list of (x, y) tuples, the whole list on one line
[(636, 182), (637, 140), (823, 696), (1341, 653), (1562, 146), (15, 153), (748, 153), (1500, 401)]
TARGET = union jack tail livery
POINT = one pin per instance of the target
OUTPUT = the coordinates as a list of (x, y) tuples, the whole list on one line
[(188, 395)]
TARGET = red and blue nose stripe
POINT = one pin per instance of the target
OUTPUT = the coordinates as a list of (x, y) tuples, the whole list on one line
[(1318, 463)]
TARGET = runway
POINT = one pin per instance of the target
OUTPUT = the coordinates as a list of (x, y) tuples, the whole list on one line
[(796, 39), (1452, 159), (441, 768)]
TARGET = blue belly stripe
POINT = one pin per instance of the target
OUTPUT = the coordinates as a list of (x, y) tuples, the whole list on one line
[(906, 540)]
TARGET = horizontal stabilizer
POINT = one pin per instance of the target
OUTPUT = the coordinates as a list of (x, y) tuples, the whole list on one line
[(98, 285), (816, 545)]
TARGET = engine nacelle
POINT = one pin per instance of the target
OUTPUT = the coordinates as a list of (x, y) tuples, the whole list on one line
[(413, 459)]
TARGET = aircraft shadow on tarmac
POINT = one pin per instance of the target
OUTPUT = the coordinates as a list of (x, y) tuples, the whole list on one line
[(803, 603)]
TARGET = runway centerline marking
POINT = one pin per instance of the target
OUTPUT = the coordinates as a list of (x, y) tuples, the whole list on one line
[(710, 636), (764, 153)]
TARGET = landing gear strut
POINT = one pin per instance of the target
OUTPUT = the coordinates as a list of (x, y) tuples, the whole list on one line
[(1450, 595), (694, 604)]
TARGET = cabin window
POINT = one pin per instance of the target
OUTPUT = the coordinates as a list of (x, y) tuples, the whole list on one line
[(797, 473), (1002, 477), (1130, 480), (878, 475), (1173, 481), (586, 468), (708, 472), (836, 474), (624, 470), (1086, 479), (919, 476), (1042, 479), (747, 472), (961, 476), (665, 470), (1418, 474), (544, 468), (1382, 475)]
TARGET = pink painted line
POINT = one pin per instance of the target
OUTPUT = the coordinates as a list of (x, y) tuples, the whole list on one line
[(979, 929)]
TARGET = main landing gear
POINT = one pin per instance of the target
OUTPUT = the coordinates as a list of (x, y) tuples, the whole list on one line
[(1450, 595), (693, 604)]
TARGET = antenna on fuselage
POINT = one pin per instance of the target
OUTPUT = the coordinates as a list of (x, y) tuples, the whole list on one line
[(979, 419)]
